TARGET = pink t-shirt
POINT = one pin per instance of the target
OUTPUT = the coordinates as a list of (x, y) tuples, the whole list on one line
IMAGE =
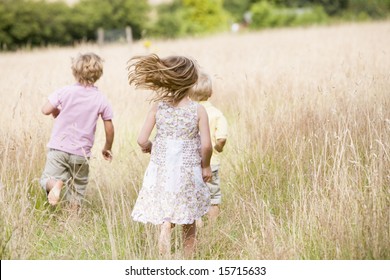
[(75, 126)]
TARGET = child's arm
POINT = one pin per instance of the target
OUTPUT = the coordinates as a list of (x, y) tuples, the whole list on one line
[(48, 109), (109, 129), (143, 138), (206, 146)]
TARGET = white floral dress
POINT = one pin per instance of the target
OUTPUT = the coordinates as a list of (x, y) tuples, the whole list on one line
[(173, 189)]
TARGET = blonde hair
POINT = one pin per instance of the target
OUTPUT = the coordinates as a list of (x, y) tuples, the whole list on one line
[(203, 89), (169, 77), (87, 68)]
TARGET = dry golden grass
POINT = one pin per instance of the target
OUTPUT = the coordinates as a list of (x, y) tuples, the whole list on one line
[(306, 171)]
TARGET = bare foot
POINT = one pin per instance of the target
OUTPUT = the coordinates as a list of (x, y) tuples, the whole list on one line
[(54, 194)]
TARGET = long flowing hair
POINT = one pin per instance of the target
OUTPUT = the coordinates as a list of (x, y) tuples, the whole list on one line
[(170, 78)]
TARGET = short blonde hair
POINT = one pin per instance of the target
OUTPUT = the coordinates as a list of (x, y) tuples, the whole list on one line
[(170, 77), (203, 89), (87, 68)]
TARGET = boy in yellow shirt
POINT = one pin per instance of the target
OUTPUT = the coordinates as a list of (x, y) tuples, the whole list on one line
[(201, 92)]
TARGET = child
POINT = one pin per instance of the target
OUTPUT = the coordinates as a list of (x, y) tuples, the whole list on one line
[(174, 189), (76, 109), (201, 92)]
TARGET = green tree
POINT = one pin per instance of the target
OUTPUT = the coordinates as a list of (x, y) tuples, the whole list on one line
[(266, 14), (237, 8), (34, 23), (204, 16), (372, 8), (111, 14), (190, 17), (332, 7), (53, 23), (169, 23), (30, 25), (6, 20)]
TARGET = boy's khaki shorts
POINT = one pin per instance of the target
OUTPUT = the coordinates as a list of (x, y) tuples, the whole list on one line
[(214, 186), (72, 169)]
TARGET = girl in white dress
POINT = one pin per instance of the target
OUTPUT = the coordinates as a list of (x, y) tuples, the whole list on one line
[(174, 189)]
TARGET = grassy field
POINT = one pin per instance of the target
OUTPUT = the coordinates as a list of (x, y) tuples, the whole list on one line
[(305, 173)]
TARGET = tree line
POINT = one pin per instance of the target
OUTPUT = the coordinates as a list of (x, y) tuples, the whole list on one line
[(30, 23)]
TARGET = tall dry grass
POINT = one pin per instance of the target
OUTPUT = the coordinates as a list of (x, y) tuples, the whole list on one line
[(306, 170)]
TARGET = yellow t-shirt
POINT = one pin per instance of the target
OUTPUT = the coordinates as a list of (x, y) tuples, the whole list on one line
[(218, 128)]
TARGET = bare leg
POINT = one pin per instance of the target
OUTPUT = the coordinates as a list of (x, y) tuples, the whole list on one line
[(54, 187), (164, 241), (199, 223), (189, 243), (213, 213)]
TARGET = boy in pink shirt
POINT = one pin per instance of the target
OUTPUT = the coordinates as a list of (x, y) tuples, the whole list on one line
[(76, 109)]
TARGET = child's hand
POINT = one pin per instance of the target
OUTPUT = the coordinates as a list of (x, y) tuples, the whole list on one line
[(206, 174), (219, 149), (107, 154), (220, 144), (56, 112), (147, 148)]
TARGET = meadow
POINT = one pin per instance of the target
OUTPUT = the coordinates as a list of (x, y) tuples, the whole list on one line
[(305, 172)]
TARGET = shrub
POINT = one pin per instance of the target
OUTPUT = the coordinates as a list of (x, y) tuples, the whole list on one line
[(265, 14), (190, 17), (310, 16)]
